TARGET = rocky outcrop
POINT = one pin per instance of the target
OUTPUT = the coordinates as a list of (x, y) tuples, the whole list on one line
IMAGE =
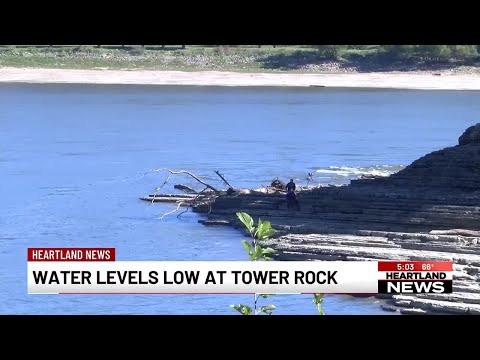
[(439, 191), (430, 210), (470, 136)]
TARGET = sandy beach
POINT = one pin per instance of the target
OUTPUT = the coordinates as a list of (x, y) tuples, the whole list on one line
[(427, 81)]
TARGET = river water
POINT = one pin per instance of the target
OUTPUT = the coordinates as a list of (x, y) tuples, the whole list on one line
[(74, 159)]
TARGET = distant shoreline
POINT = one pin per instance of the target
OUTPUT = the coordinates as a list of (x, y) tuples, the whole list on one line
[(377, 80)]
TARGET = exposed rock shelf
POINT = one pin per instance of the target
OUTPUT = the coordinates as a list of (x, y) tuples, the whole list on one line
[(408, 215), (391, 246)]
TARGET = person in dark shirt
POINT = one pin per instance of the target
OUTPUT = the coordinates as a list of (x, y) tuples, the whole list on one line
[(291, 186), (292, 202)]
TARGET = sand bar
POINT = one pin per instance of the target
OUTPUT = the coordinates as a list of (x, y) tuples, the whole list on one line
[(427, 81)]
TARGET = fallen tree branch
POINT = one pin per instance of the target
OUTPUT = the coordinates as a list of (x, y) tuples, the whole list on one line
[(225, 181), (153, 198), (183, 172), (185, 189), (184, 211), (171, 212), (190, 203), (203, 196)]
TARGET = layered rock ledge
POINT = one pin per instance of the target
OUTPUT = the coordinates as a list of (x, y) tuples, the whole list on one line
[(428, 211)]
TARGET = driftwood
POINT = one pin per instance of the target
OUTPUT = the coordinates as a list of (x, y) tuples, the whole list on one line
[(169, 198), (207, 195), (186, 173), (225, 181), (278, 184), (185, 189), (175, 210)]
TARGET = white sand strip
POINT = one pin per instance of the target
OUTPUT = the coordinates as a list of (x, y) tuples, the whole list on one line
[(427, 81)]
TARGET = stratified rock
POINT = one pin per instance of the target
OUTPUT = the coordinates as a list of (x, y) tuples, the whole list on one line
[(413, 312), (438, 192), (214, 222), (389, 308), (462, 232), (429, 211)]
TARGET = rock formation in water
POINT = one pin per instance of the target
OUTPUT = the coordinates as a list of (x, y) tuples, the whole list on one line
[(439, 191), (428, 211)]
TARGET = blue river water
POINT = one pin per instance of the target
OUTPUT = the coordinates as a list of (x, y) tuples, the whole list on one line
[(74, 160)]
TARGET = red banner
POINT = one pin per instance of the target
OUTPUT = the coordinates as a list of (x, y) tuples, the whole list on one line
[(71, 254)]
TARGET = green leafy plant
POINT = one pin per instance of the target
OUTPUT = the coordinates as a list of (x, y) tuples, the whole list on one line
[(256, 252), (318, 301), (262, 231)]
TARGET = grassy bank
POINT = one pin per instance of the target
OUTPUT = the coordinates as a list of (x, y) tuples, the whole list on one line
[(267, 58)]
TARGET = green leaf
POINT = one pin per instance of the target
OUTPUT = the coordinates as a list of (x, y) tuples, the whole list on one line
[(242, 309), (265, 253), (268, 251), (258, 251), (266, 225), (266, 234), (247, 246), (259, 229), (264, 230), (267, 309), (264, 296), (246, 220), (318, 300)]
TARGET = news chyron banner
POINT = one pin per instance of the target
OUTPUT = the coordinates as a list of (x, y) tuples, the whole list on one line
[(96, 271)]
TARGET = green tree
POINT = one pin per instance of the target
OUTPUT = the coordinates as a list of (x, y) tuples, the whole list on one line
[(329, 51), (400, 51), (462, 51), (434, 51)]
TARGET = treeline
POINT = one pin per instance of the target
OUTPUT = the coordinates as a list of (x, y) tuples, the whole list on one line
[(424, 52), (431, 52)]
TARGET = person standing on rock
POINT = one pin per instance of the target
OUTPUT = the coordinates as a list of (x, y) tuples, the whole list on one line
[(290, 186), (292, 202)]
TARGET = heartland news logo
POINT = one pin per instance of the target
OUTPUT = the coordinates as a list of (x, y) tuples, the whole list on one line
[(415, 277)]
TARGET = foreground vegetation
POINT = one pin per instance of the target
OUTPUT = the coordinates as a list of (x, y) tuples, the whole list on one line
[(257, 252), (265, 58)]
